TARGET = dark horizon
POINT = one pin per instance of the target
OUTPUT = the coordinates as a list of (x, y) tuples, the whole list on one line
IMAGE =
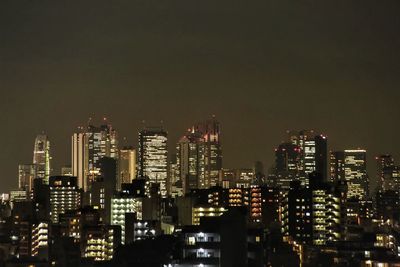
[(262, 68)]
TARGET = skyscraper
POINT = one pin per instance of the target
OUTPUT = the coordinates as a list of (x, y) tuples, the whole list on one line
[(88, 147), (80, 160), (314, 151), (259, 173), (288, 158), (152, 157), (388, 174), (26, 174), (210, 132), (191, 161), (41, 157), (199, 156), (350, 165), (127, 165), (336, 166), (104, 186), (289, 165)]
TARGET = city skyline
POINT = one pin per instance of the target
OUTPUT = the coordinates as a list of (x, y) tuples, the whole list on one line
[(57, 164), (262, 69), (207, 133)]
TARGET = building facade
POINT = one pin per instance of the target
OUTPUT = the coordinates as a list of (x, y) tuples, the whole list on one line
[(152, 157), (42, 157), (64, 195)]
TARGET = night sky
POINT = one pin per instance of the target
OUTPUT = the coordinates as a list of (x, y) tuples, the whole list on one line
[(260, 66)]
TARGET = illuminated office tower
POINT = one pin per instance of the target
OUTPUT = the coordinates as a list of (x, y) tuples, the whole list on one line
[(288, 165), (102, 142), (288, 158), (314, 151), (388, 173), (210, 132), (351, 166), (356, 173), (88, 147), (26, 174), (152, 157), (127, 166), (336, 166), (199, 156), (175, 185), (64, 195), (191, 161), (41, 157)]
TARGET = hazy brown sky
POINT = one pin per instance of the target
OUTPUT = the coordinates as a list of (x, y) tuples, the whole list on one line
[(260, 66)]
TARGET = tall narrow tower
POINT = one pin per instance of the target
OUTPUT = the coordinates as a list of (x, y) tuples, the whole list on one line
[(210, 132), (41, 157)]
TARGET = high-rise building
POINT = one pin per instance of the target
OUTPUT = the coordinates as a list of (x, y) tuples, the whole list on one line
[(356, 173), (100, 242), (387, 205), (210, 132), (80, 159), (191, 161), (120, 207), (66, 171), (313, 149), (18, 196), (175, 185), (40, 240), (312, 214), (88, 147), (26, 174), (199, 156), (152, 157), (127, 166), (388, 174), (245, 178), (259, 175), (64, 195), (288, 165), (336, 166), (288, 158), (351, 166), (226, 240), (104, 187), (41, 157), (228, 178)]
